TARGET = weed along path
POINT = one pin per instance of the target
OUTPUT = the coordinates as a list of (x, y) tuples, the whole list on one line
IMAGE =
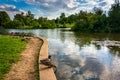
[(25, 68)]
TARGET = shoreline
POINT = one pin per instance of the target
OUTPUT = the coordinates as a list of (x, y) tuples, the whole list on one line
[(44, 72), (29, 67)]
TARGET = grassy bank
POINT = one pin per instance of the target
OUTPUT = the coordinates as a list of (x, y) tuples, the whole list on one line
[(9, 52)]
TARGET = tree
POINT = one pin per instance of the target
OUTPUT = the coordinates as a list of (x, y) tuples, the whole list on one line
[(81, 23), (63, 19), (20, 17), (114, 16), (41, 20), (90, 22), (62, 15), (57, 21), (72, 18), (34, 24), (17, 24), (4, 18), (98, 11), (26, 20), (30, 15)]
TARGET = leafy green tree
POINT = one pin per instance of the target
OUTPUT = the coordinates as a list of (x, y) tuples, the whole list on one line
[(30, 15), (91, 22), (114, 17), (27, 21), (9, 25), (41, 20), (20, 17), (17, 24), (97, 11), (72, 18), (82, 22), (57, 21), (34, 24), (4, 18), (63, 19), (62, 15)]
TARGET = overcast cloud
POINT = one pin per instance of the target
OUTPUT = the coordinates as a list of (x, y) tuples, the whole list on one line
[(53, 8)]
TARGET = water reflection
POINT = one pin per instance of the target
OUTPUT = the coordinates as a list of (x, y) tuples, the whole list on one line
[(85, 63), (77, 58)]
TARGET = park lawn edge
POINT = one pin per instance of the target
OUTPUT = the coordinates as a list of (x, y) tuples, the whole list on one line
[(10, 49)]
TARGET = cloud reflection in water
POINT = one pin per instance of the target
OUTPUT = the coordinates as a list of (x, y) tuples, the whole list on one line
[(85, 63)]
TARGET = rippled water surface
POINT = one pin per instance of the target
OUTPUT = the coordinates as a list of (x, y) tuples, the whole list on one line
[(78, 58)]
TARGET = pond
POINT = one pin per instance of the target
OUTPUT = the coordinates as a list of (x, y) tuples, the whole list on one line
[(82, 56)]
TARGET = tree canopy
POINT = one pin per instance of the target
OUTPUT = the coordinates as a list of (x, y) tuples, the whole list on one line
[(4, 18), (95, 22), (98, 21)]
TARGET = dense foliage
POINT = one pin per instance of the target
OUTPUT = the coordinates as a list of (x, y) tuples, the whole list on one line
[(4, 18), (114, 17), (9, 52), (96, 21)]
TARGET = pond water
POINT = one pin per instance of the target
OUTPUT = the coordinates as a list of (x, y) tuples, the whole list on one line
[(78, 58)]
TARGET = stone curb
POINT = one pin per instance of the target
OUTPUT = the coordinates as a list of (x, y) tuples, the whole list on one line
[(44, 72)]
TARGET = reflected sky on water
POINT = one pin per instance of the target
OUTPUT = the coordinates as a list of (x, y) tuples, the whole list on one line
[(77, 58)]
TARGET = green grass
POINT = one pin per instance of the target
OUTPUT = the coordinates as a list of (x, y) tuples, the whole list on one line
[(69, 25), (10, 49), (66, 25)]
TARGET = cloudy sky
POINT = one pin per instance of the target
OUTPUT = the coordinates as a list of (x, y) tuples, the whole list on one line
[(52, 8)]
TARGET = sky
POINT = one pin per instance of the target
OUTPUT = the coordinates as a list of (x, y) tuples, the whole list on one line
[(52, 8)]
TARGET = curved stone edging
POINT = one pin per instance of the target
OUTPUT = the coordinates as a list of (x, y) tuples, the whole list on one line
[(45, 73)]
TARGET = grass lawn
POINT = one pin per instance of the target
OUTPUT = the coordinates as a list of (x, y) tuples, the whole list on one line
[(10, 49)]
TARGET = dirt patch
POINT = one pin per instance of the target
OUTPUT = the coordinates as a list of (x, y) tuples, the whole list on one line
[(25, 68)]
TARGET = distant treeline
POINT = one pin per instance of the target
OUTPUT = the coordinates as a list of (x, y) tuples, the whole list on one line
[(96, 21)]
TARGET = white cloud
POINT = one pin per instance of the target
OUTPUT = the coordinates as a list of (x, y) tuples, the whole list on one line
[(92, 2), (39, 13), (21, 10), (5, 6), (45, 5), (109, 1), (72, 4), (11, 9), (53, 8), (50, 1)]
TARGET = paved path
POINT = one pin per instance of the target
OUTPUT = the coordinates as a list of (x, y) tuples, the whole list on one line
[(45, 73)]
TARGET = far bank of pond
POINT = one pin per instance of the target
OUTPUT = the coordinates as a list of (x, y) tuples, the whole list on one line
[(79, 57)]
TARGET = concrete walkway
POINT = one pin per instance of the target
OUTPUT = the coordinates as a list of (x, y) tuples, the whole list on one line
[(44, 72)]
